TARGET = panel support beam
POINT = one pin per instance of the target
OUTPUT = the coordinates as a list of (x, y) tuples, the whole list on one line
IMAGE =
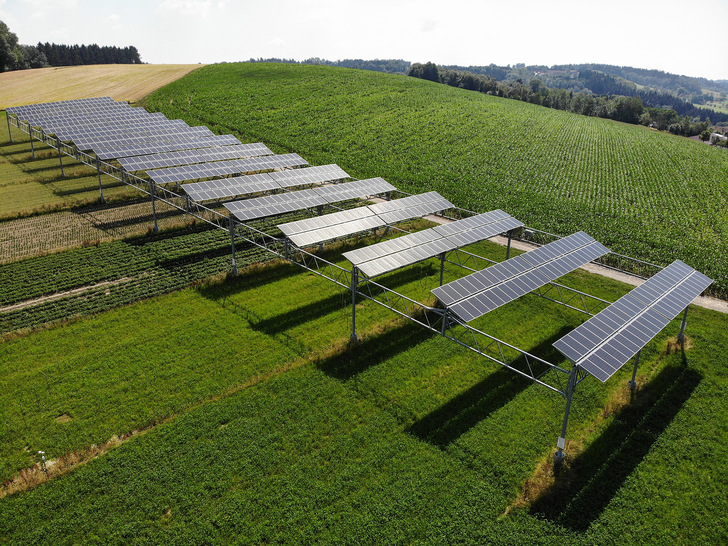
[(232, 243), (60, 156), (561, 442), (98, 172), (354, 289), (683, 324), (633, 383), (152, 192)]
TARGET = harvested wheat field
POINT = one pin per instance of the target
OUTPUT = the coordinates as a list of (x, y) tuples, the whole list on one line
[(129, 82)]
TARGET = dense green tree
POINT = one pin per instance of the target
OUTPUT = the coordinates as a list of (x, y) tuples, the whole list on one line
[(10, 52)]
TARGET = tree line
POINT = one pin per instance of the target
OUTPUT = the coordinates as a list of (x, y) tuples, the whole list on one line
[(390, 66), (16, 56), (625, 108)]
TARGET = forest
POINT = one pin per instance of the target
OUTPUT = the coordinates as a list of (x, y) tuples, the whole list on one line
[(16, 56)]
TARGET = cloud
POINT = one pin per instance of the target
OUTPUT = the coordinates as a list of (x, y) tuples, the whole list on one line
[(191, 8), (113, 22)]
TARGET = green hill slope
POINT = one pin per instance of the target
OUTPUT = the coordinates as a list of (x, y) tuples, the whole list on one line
[(643, 193)]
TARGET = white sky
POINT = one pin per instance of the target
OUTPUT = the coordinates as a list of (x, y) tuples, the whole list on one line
[(670, 35)]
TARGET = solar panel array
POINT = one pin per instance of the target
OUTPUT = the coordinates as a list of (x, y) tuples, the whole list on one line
[(604, 343), (409, 249), (341, 224), (223, 168), (188, 157), (483, 291), (114, 130), (272, 205), (255, 183), (171, 144)]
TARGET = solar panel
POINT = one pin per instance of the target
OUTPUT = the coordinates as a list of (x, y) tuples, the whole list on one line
[(309, 176), (223, 168), (221, 188), (179, 143), (483, 291), (409, 249), (166, 159), (271, 205), (238, 151), (604, 343), (333, 226)]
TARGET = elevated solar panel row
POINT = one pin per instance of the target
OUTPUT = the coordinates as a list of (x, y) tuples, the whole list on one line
[(105, 139), (604, 343), (223, 168), (272, 205), (486, 290), (192, 156), (65, 134), (242, 185), (334, 226), (178, 143), (409, 249)]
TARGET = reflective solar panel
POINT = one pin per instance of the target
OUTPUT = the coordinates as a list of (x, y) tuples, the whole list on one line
[(408, 249), (483, 291), (174, 143), (404, 209), (604, 343), (223, 168), (260, 207)]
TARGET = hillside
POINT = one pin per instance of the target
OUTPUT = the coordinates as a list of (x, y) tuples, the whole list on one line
[(638, 191)]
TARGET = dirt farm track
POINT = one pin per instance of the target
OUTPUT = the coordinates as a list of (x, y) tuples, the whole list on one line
[(129, 82)]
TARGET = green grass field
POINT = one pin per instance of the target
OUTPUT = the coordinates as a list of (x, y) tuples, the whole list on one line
[(235, 410), (642, 193), (266, 428)]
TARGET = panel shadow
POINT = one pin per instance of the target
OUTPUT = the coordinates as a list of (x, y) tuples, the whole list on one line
[(583, 491), (373, 351), (447, 423)]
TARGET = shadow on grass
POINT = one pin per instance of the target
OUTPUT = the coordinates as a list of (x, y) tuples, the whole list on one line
[(92, 187), (319, 308), (373, 351), (447, 423), (583, 491)]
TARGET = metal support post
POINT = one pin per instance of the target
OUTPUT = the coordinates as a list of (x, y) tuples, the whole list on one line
[(442, 267), (9, 133), (508, 248), (98, 171), (354, 283), (388, 196), (444, 322), (60, 156), (232, 243), (681, 335), (32, 147), (561, 442), (633, 384), (287, 249), (319, 209), (152, 192)]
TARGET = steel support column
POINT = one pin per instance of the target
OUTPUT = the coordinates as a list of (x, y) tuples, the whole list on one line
[(561, 442), (60, 156), (681, 335), (354, 288), (101, 189), (633, 384), (152, 192), (7, 118), (32, 147), (442, 267), (508, 248), (232, 243)]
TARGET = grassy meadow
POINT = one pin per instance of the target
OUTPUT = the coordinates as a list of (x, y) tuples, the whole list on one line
[(179, 405), (643, 193)]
